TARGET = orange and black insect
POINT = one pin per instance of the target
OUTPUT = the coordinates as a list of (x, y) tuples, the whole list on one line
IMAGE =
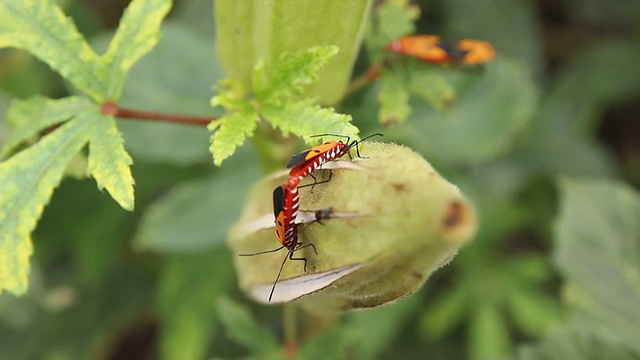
[(433, 49), (285, 209), (475, 52), (308, 161), (428, 48)]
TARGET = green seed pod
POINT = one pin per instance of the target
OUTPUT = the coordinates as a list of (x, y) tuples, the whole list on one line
[(394, 221)]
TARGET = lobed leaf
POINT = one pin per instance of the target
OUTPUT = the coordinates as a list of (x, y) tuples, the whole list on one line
[(40, 27), (136, 35), (31, 116), (109, 163), (305, 119), (232, 132), (27, 181), (290, 73)]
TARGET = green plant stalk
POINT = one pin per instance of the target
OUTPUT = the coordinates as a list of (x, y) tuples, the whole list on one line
[(252, 30)]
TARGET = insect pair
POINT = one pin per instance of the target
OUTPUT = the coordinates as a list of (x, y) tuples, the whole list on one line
[(286, 198), (433, 49)]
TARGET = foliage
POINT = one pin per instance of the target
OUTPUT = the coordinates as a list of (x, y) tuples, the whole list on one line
[(541, 140)]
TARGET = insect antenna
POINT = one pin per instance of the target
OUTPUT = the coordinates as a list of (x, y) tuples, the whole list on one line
[(356, 142)]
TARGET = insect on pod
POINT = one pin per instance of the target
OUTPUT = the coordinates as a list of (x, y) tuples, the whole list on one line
[(285, 209), (394, 221), (308, 161)]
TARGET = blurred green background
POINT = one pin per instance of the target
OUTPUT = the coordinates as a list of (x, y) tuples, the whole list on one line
[(553, 273)]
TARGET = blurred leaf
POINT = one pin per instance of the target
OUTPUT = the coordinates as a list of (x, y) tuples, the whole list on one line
[(578, 339), (305, 119), (189, 290), (533, 310), (109, 163), (136, 35), (332, 343), (195, 215), (370, 339), (491, 109), (447, 312), (598, 250), (433, 87), (394, 98), (197, 16), (158, 84), (488, 333), (563, 131), (41, 28), (513, 29), (96, 317), (243, 329)]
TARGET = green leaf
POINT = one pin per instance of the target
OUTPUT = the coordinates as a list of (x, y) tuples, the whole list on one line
[(433, 87), (563, 131), (242, 328), (305, 119), (31, 116), (598, 250), (195, 215), (27, 181), (394, 98), (136, 35), (232, 130), (188, 294), (289, 74), (40, 27), (109, 162), (491, 109)]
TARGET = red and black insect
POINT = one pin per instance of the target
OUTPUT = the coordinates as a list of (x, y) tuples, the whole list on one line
[(285, 209), (308, 161)]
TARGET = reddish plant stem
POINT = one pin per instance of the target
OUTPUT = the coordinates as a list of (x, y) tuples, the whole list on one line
[(363, 80), (110, 108)]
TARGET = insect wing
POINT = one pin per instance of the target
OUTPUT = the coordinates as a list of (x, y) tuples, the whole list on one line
[(477, 51)]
